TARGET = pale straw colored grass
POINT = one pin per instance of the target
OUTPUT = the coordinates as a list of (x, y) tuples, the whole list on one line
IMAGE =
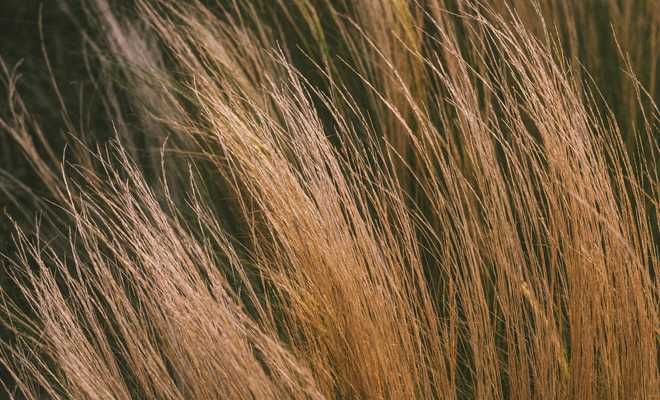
[(443, 209)]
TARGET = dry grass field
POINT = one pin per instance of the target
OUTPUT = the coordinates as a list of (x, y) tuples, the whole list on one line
[(330, 199)]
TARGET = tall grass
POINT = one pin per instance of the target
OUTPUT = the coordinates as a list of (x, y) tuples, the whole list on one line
[(339, 199)]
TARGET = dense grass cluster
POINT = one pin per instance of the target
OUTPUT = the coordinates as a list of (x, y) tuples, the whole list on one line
[(374, 199)]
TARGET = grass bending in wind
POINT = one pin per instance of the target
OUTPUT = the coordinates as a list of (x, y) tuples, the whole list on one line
[(381, 199)]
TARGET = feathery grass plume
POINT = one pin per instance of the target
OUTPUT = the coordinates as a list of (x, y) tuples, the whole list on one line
[(334, 199)]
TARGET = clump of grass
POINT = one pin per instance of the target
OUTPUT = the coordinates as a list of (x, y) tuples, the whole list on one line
[(381, 199)]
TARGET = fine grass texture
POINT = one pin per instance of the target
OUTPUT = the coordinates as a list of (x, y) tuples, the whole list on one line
[(334, 199)]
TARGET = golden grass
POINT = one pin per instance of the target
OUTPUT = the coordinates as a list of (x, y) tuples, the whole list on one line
[(371, 199)]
